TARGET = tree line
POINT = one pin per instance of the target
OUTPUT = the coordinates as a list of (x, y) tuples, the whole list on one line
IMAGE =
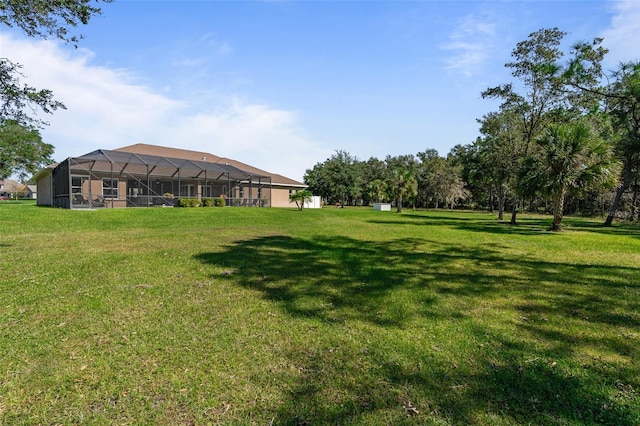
[(565, 139), (422, 180)]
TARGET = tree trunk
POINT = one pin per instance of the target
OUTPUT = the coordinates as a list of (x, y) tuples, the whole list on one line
[(491, 200), (501, 200), (399, 204), (514, 210), (634, 200), (626, 178), (558, 207)]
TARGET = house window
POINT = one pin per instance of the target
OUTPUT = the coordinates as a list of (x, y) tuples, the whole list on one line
[(77, 184), (110, 188), (188, 191)]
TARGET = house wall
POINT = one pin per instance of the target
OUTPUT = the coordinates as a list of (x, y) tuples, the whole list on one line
[(45, 191), (96, 193), (280, 198)]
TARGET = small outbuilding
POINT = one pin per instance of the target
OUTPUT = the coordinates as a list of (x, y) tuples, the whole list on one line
[(313, 202), (383, 207)]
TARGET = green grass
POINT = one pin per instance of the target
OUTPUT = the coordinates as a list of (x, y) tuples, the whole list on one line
[(333, 316)]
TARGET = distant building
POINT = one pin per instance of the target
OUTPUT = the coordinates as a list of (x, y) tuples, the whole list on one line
[(13, 189), (32, 192), (143, 175)]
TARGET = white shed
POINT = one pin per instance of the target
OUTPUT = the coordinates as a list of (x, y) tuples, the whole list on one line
[(313, 203), (383, 207)]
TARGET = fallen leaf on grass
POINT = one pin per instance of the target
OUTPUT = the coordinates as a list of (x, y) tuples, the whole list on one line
[(410, 409)]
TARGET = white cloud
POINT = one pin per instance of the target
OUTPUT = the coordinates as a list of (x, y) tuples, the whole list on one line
[(221, 47), (623, 37), (108, 109), (188, 63), (470, 43)]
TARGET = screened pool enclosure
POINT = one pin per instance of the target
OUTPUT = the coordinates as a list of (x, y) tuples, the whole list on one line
[(105, 178)]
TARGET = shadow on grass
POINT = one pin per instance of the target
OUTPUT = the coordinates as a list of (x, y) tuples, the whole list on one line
[(402, 285), (623, 229), (537, 390), (525, 225), (531, 227)]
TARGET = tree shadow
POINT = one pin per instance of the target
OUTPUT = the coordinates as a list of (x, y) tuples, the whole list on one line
[(398, 285), (533, 226), (527, 226), (333, 279), (622, 229), (539, 390)]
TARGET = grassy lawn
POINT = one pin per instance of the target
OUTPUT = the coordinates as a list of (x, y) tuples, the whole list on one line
[(333, 316)]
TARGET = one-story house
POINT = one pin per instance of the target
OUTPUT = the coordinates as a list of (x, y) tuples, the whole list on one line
[(143, 175), (17, 190), (32, 192)]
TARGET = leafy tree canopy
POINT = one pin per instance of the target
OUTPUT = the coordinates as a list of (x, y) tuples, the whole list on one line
[(48, 18), (22, 150), (17, 100), (573, 157), (337, 179)]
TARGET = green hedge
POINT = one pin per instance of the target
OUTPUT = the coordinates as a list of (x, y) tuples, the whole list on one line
[(213, 202), (206, 202), (189, 202)]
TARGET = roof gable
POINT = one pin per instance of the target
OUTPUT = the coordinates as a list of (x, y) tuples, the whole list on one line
[(163, 151), (104, 160)]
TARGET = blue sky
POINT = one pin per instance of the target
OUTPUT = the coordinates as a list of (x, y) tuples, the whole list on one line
[(281, 85)]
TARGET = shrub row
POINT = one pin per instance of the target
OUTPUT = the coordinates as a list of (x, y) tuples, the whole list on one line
[(213, 202), (206, 202)]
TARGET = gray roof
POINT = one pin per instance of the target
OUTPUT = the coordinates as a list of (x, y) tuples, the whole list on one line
[(157, 166)]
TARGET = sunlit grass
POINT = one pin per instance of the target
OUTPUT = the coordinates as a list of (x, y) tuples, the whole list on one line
[(332, 316)]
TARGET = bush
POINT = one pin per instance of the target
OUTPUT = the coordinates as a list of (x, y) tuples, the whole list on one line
[(213, 202), (206, 202), (189, 202)]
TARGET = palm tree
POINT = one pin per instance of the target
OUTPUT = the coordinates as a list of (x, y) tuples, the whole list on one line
[(300, 197), (403, 185), (571, 157), (376, 190)]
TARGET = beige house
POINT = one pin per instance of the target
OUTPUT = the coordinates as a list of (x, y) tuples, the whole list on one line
[(143, 175)]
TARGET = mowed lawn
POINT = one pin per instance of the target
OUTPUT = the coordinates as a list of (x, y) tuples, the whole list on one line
[(334, 316)]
